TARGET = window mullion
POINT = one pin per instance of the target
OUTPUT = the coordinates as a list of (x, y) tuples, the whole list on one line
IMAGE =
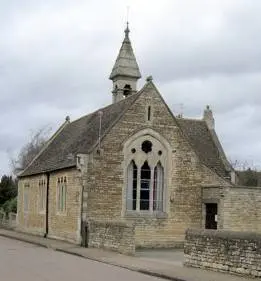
[(138, 189), (151, 189), (129, 194), (64, 190), (62, 199)]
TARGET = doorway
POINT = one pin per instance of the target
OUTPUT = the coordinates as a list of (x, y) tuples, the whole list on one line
[(211, 216)]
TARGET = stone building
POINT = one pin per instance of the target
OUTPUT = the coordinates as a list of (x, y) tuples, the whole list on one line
[(131, 170)]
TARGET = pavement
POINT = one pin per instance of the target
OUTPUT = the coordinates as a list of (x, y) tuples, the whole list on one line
[(166, 264)]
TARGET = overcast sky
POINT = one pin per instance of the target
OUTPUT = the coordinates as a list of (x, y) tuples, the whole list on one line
[(56, 56)]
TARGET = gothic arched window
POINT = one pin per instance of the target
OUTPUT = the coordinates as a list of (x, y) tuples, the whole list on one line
[(127, 90), (145, 175), (158, 189), (132, 186)]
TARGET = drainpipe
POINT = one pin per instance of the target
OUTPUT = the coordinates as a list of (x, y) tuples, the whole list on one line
[(82, 166), (47, 206)]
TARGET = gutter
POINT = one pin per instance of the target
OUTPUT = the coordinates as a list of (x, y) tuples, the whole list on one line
[(82, 166)]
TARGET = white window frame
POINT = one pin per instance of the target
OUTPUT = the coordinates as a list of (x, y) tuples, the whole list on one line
[(132, 152), (156, 201)]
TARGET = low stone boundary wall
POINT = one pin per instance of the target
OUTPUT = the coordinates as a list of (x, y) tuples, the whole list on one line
[(226, 251), (116, 236), (7, 220)]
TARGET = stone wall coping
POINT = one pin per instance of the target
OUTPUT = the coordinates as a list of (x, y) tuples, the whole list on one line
[(225, 234), (246, 187), (213, 186), (232, 187)]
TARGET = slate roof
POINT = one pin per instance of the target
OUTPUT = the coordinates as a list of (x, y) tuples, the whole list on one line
[(126, 64), (82, 135), (201, 139), (77, 137)]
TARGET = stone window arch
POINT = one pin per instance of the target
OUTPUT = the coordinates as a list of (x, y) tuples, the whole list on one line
[(147, 165), (127, 90)]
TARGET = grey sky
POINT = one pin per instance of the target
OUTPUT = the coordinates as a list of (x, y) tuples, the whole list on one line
[(56, 57)]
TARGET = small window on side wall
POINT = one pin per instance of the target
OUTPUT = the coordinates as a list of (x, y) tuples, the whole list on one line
[(149, 113), (42, 195), (26, 197), (61, 194)]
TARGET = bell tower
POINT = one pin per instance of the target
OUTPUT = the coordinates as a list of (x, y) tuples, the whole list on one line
[(125, 73)]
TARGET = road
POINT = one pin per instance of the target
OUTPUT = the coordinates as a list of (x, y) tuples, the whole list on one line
[(20, 261)]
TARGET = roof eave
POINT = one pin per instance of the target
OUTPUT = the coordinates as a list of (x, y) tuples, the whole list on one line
[(113, 76), (47, 171)]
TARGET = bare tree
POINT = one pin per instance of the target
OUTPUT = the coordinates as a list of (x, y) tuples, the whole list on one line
[(240, 165), (247, 173), (27, 153)]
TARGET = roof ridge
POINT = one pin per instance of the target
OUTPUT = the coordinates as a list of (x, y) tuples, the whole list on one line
[(78, 137), (220, 149), (104, 107)]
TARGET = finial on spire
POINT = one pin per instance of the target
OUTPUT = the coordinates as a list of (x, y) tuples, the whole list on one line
[(149, 78), (127, 30)]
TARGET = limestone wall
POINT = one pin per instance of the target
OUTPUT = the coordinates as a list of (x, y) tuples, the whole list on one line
[(226, 251), (211, 194), (106, 185), (33, 219), (7, 220), (66, 225), (116, 236), (242, 209)]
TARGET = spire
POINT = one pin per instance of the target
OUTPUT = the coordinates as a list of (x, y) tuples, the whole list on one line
[(126, 64), (125, 72)]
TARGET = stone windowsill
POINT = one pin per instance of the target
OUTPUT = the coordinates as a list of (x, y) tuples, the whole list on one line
[(146, 214), (62, 214)]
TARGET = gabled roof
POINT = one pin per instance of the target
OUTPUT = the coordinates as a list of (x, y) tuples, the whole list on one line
[(126, 64), (77, 137), (204, 141), (201, 139), (82, 135)]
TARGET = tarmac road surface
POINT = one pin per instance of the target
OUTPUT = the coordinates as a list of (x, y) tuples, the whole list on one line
[(20, 261)]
